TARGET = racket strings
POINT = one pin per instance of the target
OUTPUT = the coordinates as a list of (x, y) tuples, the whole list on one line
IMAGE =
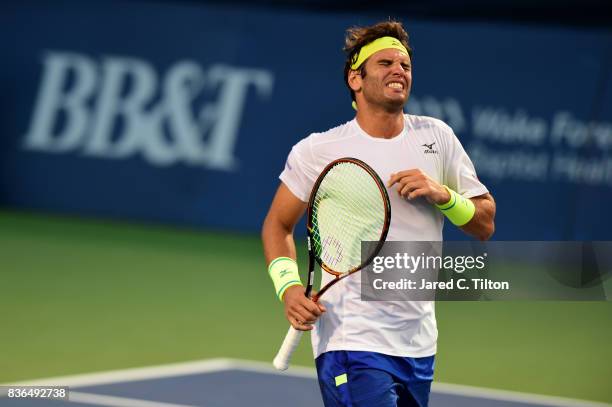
[(346, 226), (348, 208)]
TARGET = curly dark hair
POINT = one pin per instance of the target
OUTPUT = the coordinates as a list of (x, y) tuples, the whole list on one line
[(357, 37)]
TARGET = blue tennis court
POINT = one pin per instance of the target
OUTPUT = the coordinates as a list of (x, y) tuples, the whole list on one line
[(233, 383)]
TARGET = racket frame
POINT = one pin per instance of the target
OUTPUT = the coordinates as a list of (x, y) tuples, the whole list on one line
[(293, 336), (312, 258)]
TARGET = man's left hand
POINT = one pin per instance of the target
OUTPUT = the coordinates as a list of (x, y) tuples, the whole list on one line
[(414, 183)]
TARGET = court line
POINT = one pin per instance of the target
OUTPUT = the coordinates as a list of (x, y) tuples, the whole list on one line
[(221, 364), (132, 374), (512, 396), (114, 401)]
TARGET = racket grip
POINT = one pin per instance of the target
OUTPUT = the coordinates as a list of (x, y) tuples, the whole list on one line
[(283, 357)]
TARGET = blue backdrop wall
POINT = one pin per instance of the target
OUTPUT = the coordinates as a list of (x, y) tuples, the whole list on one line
[(185, 113)]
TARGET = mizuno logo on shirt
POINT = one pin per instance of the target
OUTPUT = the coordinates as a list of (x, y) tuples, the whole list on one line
[(429, 148)]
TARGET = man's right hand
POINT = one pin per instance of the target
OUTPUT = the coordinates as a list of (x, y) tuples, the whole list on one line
[(301, 312)]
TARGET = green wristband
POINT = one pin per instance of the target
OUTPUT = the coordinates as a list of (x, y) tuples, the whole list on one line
[(284, 274), (459, 210)]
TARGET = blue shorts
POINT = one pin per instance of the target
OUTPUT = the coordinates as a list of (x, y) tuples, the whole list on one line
[(356, 379)]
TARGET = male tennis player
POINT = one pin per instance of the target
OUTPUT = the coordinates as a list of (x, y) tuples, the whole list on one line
[(376, 353)]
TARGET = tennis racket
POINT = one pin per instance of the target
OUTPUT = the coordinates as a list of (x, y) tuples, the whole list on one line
[(348, 204)]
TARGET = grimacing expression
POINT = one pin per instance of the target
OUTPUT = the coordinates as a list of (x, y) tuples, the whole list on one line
[(388, 80)]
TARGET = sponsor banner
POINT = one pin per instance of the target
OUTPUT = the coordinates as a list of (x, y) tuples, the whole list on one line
[(186, 113), (489, 271)]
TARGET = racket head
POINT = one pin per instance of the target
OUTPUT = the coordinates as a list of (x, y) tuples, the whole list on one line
[(348, 204)]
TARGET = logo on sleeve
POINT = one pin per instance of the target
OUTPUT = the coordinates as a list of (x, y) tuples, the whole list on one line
[(429, 149)]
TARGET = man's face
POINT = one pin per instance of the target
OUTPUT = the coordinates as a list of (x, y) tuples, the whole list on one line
[(388, 79)]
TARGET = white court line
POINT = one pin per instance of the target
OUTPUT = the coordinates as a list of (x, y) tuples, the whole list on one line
[(512, 396), (215, 365), (133, 374), (113, 401)]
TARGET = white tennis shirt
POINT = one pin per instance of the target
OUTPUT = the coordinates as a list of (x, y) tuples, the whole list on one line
[(398, 328)]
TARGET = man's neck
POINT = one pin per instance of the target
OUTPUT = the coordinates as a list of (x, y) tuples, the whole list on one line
[(381, 124)]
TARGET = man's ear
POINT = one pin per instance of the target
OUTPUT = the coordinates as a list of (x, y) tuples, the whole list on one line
[(354, 80)]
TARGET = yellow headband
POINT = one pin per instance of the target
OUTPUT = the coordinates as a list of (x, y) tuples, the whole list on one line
[(378, 44)]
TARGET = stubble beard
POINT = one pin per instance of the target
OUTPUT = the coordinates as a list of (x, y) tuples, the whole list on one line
[(389, 105)]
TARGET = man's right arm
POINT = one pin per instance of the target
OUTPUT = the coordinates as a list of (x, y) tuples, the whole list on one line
[(277, 236)]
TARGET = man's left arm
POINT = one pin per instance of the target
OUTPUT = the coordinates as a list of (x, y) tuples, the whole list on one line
[(482, 225), (414, 183)]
